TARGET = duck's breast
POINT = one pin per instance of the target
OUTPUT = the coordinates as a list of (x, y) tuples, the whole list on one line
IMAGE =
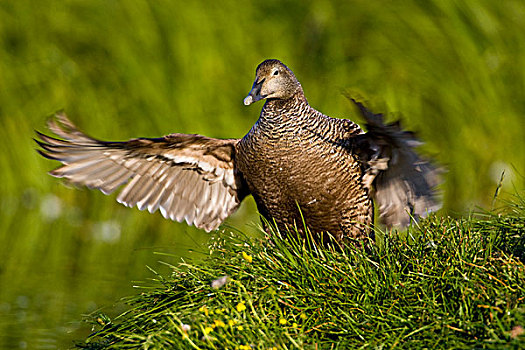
[(303, 166)]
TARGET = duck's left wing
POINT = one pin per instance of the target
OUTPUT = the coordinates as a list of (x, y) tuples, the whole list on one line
[(187, 177), (403, 183)]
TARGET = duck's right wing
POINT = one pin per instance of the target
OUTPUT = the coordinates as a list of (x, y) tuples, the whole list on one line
[(187, 177)]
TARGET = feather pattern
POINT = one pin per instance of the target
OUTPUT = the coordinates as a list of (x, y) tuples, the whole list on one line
[(174, 173), (403, 183)]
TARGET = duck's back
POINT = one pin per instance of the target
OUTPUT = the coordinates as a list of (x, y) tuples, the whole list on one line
[(295, 157)]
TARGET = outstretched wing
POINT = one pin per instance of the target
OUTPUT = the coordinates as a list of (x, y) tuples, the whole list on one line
[(402, 182), (187, 177)]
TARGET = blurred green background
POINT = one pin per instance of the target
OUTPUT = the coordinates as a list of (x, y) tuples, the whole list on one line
[(453, 70)]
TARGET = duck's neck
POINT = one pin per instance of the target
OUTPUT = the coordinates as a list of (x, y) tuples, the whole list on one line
[(278, 111)]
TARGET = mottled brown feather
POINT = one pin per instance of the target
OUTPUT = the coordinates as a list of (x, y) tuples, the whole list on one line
[(195, 161)]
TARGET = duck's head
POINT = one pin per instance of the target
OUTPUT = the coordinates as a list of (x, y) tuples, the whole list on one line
[(273, 80)]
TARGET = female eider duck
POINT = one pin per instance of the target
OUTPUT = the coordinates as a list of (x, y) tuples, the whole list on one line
[(301, 167)]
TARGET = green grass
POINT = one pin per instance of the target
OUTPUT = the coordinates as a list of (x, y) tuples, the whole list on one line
[(449, 283)]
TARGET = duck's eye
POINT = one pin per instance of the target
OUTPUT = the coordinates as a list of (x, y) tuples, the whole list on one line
[(276, 72)]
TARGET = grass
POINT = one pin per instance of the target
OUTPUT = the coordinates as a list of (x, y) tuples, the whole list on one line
[(449, 283)]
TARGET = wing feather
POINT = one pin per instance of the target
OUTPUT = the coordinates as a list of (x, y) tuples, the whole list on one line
[(188, 178), (403, 183), (115, 180)]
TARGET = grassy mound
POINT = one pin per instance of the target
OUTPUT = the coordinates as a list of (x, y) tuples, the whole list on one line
[(449, 283)]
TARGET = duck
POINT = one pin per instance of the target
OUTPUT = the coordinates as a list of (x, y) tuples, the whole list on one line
[(306, 171)]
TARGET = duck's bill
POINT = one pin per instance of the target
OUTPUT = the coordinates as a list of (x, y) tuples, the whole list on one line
[(248, 100), (251, 98), (255, 93)]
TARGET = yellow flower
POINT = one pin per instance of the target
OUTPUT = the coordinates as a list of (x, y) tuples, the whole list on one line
[(283, 321), (303, 316), (241, 307), (295, 325), (204, 309), (245, 347), (219, 323), (207, 330), (247, 257), (240, 328), (232, 323)]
